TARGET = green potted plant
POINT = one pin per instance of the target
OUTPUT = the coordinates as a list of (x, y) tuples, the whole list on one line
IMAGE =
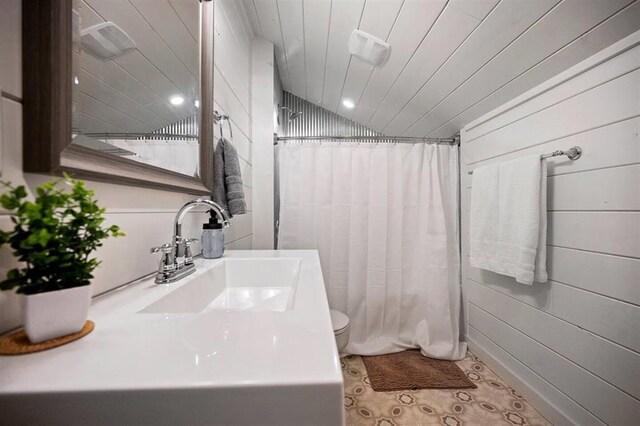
[(54, 237)]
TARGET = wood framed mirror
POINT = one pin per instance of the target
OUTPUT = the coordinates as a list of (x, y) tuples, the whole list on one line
[(94, 108)]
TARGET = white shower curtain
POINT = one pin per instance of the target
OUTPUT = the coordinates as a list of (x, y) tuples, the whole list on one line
[(384, 218)]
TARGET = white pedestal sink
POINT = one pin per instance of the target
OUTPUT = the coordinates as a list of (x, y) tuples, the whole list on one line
[(245, 340)]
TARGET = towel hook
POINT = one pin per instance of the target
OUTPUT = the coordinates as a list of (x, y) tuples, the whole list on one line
[(218, 118)]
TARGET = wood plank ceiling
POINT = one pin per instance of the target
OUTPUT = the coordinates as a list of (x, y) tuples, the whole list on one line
[(131, 93), (451, 61)]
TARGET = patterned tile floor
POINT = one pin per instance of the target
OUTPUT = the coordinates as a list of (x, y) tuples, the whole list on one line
[(493, 403)]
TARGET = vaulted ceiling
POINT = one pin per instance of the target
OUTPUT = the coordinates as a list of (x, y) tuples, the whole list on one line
[(450, 62)]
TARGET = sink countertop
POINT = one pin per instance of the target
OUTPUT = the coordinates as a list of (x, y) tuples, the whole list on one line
[(136, 351)]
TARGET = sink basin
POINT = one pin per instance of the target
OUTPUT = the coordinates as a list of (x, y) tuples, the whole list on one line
[(248, 285)]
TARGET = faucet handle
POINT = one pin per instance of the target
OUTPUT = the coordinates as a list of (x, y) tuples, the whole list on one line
[(167, 261), (188, 255), (190, 241), (165, 248)]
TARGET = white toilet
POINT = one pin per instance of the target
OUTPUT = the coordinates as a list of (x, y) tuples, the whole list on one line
[(340, 328)]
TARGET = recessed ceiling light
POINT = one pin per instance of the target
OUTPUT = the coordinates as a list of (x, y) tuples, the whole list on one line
[(197, 104), (348, 103), (176, 100)]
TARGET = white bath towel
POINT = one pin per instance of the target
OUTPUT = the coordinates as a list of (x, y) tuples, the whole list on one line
[(508, 220)]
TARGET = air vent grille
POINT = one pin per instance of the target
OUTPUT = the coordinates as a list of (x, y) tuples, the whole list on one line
[(106, 41)]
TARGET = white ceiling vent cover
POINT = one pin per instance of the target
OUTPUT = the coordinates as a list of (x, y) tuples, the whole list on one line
[(106, 41), (368, 48)]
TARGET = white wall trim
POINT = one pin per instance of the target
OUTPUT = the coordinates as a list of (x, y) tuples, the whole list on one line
[(262, 84)]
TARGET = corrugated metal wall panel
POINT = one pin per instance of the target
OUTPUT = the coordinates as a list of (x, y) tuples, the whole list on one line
[(317, 121)]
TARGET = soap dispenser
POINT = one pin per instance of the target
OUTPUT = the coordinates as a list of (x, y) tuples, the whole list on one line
[(212, 241)]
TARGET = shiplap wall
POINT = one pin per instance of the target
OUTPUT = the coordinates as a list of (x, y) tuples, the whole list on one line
[(232, 95), (145, 215), (573, 343)]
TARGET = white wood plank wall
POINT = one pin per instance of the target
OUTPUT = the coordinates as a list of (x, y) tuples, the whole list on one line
[(145, 215), (571, 344), (232, 95)]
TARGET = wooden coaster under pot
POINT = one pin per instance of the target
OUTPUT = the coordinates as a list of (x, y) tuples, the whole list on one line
[(17, 343)]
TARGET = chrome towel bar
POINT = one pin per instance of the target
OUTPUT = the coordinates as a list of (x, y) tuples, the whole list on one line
[(573, 153)]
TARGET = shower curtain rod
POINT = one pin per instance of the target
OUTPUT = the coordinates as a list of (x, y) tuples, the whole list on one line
[(365, 139)]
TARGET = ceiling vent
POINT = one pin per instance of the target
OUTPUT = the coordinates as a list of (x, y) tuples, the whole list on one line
[(368, 48), (106, 41)]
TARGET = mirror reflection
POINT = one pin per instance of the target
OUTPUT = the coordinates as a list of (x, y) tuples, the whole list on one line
[(136, 80)]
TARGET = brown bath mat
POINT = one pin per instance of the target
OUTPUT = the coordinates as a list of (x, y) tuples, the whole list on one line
[(411, 370)]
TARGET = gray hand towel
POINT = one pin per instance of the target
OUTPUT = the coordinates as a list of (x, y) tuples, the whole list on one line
[(227, 180)]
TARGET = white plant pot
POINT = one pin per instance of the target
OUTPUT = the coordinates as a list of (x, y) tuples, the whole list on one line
[(55, 313)]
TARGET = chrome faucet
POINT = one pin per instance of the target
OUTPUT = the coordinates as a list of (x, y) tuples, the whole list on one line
[(177, 257)]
